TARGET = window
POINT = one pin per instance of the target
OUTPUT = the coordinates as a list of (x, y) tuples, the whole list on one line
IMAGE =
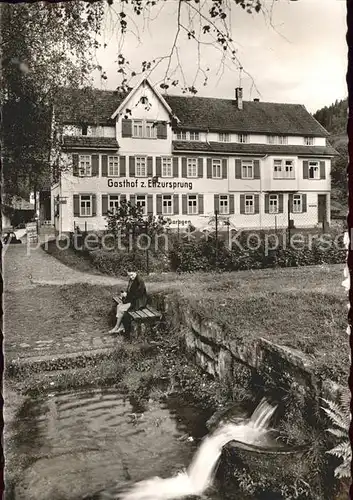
[(247, 170), (113, 166), (273, 204), (309, 141), (249, 204), (167, 207), (182, 135), (192, 167), (192, 204), (194, 136), (151, 130), (277, 139), (140, 166), (216, 169), (314, 171), (85, 166), (283, 169), (297, 203), (243, 138), (85, 205), (167, 169), (223, 204), (137, 128), (113, 203), (224, 137), (84, 129), (141, 202)]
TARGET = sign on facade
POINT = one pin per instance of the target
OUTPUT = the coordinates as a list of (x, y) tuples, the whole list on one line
[(150, 183)]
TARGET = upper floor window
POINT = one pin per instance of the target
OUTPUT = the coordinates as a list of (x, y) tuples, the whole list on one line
[(224, 204), (113, 166), (85, 205), (85, 165), (314, 170), (192, 167), (243, 138), (216, 169), (167, 169), (184, 135), (309, 141), (192, 204), (113, 203), (141, 203), (144, 129), (224, 137), (277, 139), (84, 129), (247, 169), (283, 169), (140, 166)]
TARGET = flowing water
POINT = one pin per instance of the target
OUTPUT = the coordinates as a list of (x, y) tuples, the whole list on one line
[(95, 445)]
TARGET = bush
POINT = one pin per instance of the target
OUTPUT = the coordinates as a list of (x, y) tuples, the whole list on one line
[(117, 263)]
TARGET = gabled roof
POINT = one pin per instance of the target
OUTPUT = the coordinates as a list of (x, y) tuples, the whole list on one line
[(84, 141), (260, 149), (93, 106), (213, 114), (128, 96)]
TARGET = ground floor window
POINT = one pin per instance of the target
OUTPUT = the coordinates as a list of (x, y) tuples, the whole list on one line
[(167, 204), (113, 204), (85, 205), (224, 204), (142, 203), (297, 203), (192, 204), (249, 204), (273, 205)]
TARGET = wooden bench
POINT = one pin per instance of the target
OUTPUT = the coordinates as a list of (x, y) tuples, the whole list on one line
[(146, 314)]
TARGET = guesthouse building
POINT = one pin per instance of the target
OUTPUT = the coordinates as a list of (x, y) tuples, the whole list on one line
[(256, 164)]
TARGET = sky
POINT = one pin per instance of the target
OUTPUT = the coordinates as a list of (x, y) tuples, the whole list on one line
[(294, 52)]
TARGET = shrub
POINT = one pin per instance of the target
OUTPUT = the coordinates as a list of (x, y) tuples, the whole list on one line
[(117, 263)]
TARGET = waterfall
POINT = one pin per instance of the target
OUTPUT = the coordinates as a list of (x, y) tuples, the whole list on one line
[(202, 469)]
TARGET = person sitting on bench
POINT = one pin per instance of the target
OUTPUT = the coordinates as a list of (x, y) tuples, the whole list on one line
[(134, 298)]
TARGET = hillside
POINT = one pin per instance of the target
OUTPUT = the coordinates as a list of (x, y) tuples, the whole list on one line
[(334, 119)]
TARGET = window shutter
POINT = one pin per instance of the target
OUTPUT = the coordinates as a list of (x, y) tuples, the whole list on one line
[(149, 166), (224, 168), (158, 166), (200, 167), (322, 170), (231, 204), (216, 203), (242, 204), (304, 204), (184, 203), (132, 166), (94, 205), (75, 165), (126, 128), (122, 166), (267, 203), (184, 171), (161, 130), (238, 169), (149, 204), (200, 203), (159, 204), (256, 169), (76, 205), (305, 170), (104, 204), (95, 165), (280, 203), (122, 198), (209, 168), (176, 166), (176, 204), (290, 203), (257, 203), (104, 166), (132, 199)]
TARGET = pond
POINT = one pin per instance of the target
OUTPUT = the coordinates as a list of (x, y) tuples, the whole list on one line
[(89, 444)]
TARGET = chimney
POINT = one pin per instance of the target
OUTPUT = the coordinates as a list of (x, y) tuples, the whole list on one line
[(256, 99), (239, 97)]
